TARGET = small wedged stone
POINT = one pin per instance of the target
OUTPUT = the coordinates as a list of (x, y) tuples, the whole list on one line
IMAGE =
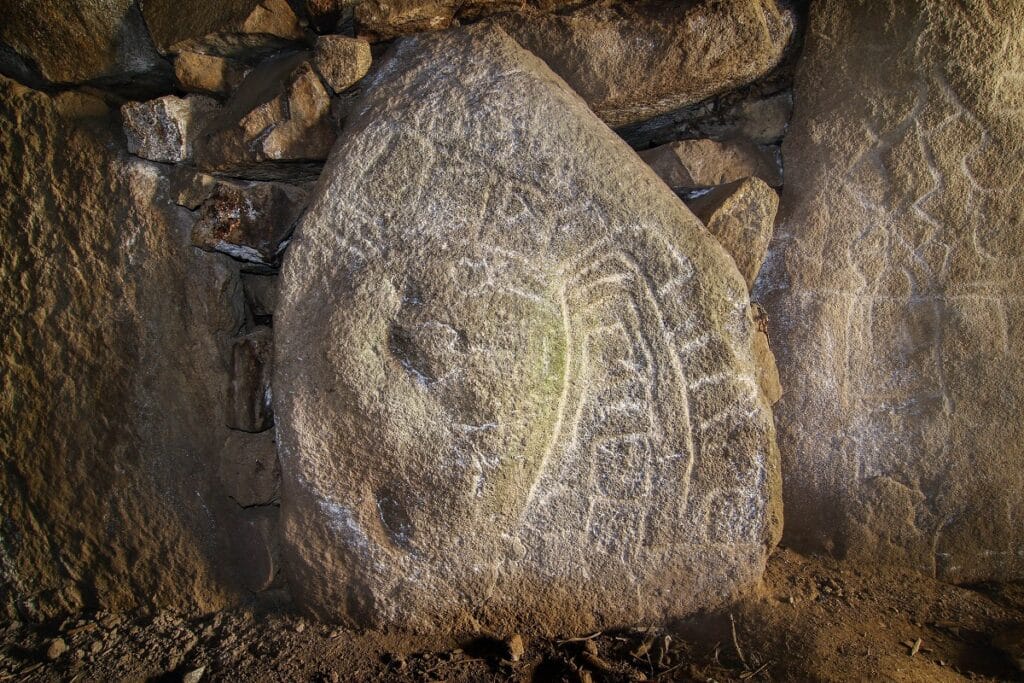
[(637, 60), (516, 383), (281, 114), (741, 216), (690, 165), (231, 28), (208, 74), (165, 129), (764, 358), (249, 404), (249, 471), (341, 61), (248, 220)]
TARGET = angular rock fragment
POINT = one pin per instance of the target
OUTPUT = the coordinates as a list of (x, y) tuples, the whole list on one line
[(741, 216), (341, 61), (249, 470), (637, 60), (98, 42), (227, 27), (689, 165), (894, 288), (249, 395), (166, 128), (250, 221), (509, 390), (280, 113), (208, 74)]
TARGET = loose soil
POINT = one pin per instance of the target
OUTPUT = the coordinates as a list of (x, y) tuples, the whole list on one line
[(813, 619)]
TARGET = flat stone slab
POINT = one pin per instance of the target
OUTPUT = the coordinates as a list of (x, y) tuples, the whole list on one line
[(514, 376)]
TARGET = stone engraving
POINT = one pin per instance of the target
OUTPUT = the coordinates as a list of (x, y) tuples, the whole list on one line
[(507, 390), (897, 263)]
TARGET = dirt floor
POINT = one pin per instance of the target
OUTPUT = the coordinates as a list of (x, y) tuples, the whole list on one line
[(814, 619)]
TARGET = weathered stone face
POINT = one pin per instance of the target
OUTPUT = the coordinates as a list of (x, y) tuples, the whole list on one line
[(637, 60), (105, 42), (894, 288), (227, 27), (111, 414), (514, 374)]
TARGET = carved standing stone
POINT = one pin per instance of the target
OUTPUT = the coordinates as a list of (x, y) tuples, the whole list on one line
[(894, 289), (515, 377)]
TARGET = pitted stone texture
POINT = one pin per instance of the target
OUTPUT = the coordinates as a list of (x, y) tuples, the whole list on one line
[(893, 288), (166, 128), (113, 377), (688, 165), (250, 221), (741, 216), (101, 41), (225, 27), (637, 60), (280, 113), (515, 376), (341, 61)]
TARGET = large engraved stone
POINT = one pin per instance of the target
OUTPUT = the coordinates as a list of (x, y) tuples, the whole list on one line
[(894, 291), (515, 379)]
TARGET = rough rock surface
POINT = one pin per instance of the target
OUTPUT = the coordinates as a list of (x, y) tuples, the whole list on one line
[(260, 293), (105, 42), (341, 61), (250, 221), (759, 112), (225, 27), (249, 471), (741, 216), (894, 289), (386, 19), (112, 377), (166, 128), (688, 165), (256, 546), (250, 405), (637, 60), (208, 74), (280, 113), (515, 377)]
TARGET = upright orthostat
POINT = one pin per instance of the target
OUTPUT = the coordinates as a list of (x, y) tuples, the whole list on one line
[(894, 288), (514, 379)]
